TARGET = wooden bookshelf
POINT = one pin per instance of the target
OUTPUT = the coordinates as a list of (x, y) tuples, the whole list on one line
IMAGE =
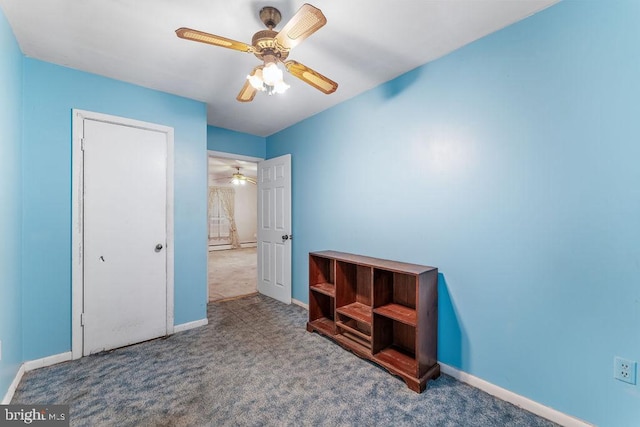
[(381, 310)]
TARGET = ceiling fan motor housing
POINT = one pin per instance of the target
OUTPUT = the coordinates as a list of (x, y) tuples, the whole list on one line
[(270, 16), (264, 41), (264, 44)]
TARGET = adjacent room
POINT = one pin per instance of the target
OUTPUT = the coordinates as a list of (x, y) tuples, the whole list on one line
[(217, 213), (232, 228)]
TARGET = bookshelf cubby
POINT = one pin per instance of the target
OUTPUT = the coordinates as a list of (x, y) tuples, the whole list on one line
[(384, 311), (322, 292)]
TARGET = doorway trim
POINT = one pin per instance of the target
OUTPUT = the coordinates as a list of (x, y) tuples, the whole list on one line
[(77, 221), (225, 155)]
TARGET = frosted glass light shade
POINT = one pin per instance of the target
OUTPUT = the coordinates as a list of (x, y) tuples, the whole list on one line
[(271, 74), (280, 87), (256, 80)]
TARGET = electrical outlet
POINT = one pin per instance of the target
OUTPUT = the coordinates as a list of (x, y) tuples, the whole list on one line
[(624, 370)]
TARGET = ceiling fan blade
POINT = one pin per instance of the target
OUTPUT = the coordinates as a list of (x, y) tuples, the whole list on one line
[(311, 77), (248, 92), (251, 180), (202, 37), (306, 21)]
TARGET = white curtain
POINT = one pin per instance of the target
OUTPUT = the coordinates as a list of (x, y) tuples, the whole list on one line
[(226, 196), (218, 227)]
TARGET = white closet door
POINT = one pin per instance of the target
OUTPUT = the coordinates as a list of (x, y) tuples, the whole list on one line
[(125, 229)]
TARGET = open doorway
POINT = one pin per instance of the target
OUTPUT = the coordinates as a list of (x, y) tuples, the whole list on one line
[(232, 227)]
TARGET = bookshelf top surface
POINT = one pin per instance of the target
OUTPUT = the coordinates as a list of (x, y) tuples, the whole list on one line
[(401, 267)]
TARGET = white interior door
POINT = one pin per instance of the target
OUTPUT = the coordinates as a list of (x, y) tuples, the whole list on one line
[(274, 228), (124, 235)]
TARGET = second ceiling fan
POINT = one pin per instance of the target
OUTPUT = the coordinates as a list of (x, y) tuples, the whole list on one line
[(272, 47), (237, 178)]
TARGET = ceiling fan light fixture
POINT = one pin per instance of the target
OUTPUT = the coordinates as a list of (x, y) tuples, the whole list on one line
[(280, 87), (271, 74), (256, 80), (238, 177), (268, 79)]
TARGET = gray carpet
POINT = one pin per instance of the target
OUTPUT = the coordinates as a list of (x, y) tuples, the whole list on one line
[(254, 365)]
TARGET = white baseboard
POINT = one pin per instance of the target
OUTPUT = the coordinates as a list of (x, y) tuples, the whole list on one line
[(190, 325), (511, 397), (30, 365), (494, 390), (14, 385), (227, 247), (300, 303), (503, 394)]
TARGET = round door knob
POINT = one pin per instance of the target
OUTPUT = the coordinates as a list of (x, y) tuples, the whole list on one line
[(285, 237), (158, 247)]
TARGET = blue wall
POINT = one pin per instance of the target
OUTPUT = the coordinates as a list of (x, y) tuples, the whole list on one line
[(10, 205), (50, 93), (512, 165), (229, 141)]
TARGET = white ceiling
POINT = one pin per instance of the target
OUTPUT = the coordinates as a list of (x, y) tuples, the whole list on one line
[(364, 44)]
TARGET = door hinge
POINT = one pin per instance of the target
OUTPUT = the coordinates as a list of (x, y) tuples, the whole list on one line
[(81, 319), (82, 144)]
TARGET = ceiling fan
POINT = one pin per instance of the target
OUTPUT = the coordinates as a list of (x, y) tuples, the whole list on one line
[(272, 47), (238, 178)]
